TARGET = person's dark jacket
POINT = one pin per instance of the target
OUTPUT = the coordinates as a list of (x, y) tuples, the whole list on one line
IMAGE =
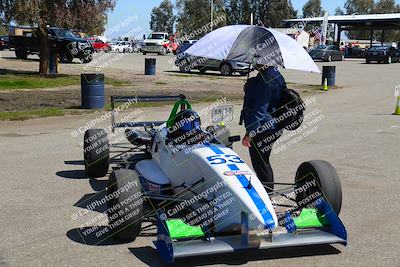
[(263, 95)]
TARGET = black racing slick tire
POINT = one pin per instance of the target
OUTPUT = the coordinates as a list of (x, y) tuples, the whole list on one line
[(124, 204), (96, 152), (327, 183)]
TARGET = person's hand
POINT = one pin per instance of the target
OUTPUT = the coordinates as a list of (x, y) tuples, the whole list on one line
[(246, 142)]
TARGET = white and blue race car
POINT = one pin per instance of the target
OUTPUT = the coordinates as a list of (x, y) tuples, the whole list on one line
[(202, 197)]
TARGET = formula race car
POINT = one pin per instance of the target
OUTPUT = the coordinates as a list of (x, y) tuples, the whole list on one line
[(201, 196)]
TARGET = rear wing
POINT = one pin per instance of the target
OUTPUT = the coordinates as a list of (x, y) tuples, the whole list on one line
[(137, 100)]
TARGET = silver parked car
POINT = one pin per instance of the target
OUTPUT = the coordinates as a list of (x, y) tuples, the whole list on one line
[(186, 63)]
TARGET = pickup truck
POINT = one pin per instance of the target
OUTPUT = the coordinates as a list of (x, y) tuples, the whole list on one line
[(160, 43), (68, 45)]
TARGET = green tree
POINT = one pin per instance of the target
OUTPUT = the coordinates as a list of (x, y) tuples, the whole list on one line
[(312, 9), (339, 11), (388, 6), (162, 17), (87, 15), (238, 11), (360, 7), (276, 11), (194, 16)]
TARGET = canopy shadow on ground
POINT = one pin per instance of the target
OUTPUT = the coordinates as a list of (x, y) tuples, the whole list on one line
[(149, 255)]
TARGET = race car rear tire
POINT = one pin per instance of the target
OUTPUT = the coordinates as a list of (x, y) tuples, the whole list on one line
[(125, 208), (327, 182), (96, 152)]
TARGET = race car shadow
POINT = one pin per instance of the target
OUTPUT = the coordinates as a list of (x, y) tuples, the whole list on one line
[(74, 162), (98, 185), (93, 202), (75, 174), (93, 236), (149, 256)]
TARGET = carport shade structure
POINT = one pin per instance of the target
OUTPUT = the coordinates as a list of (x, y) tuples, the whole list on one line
[(371, 22)]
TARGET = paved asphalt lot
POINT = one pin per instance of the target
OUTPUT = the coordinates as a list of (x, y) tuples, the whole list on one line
[(42, 182)]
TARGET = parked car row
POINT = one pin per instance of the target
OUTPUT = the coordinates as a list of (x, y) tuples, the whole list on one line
[(116, 46)]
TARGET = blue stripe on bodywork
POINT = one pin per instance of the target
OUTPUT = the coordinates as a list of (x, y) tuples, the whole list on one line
[(216, 150), (268, 220)]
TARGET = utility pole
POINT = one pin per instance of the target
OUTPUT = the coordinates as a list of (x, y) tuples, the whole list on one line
[(212, 13)]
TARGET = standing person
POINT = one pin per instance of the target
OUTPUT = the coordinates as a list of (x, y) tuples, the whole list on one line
[(263, 96)]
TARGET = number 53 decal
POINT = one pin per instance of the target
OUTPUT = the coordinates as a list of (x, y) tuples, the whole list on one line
[(221, 159)]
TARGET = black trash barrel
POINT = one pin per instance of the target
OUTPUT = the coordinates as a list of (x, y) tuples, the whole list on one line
[(92, 89), (329, 72), (150, 66)]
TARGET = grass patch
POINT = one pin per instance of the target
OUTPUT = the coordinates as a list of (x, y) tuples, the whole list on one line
[(30, 114), (34, 81), (118, 83)]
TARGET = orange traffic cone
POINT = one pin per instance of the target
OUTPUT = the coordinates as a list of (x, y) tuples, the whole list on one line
[(397, 111)]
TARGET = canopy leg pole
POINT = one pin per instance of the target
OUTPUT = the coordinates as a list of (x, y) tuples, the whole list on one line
[(339, 33), (371, 38)]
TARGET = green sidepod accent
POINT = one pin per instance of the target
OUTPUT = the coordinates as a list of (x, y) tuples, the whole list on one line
[(179, 230), (310, 218)]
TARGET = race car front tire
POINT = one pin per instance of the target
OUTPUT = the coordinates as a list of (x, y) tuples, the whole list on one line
[(96, 153), (327, 183), (124, 204)]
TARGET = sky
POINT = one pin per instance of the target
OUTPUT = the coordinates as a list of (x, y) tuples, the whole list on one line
[(133, 16)]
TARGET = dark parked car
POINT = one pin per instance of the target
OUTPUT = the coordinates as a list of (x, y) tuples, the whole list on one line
[(385, 54), (355, 52), (326, 53), (186, 63), (3, 42)]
